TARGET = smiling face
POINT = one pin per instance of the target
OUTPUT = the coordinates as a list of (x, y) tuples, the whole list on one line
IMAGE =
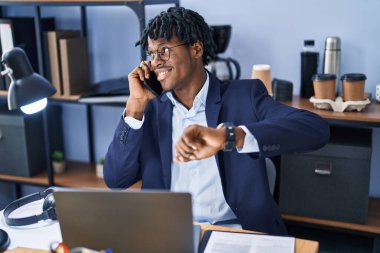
[(182, 69)]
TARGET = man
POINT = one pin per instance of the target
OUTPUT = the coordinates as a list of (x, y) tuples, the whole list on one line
[(172, 141)]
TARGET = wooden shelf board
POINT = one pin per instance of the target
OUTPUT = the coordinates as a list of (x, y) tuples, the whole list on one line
[(67, 1), (77, 174), (373, 225), (370, 114), (38, 179), (72, 98), (80, 175)]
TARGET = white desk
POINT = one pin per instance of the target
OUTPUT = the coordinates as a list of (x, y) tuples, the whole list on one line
[(37, 236)]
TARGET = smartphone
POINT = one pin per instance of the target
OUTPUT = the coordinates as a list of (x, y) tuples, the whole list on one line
[(153, 84)]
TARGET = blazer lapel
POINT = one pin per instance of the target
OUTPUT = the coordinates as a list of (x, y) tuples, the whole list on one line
[(164, 118), (213, 105)]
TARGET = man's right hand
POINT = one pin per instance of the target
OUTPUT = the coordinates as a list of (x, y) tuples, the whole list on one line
[(139, 95)]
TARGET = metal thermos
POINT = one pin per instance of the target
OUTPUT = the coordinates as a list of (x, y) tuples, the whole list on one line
[(331, 58)]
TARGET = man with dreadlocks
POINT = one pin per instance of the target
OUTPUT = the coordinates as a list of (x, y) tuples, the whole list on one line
[(173, 141)]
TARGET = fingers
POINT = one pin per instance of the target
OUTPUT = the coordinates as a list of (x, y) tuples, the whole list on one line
[(143, 70), (198, 142), (187, 146), (146, 67), (185, 152)]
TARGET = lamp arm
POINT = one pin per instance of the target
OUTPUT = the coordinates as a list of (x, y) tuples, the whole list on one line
[(7, 71)]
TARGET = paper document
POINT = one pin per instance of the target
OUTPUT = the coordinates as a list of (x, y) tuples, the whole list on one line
[(226, 242)]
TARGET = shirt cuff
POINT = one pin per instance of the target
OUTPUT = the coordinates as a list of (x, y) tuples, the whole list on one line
[(132, 122), (250, 143)]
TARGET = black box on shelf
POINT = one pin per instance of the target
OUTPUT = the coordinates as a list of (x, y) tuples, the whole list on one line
[(22, 151), (331, 183)]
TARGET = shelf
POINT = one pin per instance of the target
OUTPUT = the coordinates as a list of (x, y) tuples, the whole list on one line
[(372, 227), (83, 2), (3, 93), (67, 2), (71, 98), (77, 174)]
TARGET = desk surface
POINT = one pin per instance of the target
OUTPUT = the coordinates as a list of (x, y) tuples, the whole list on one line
[(370, 114), (39, 236), (301, 245)]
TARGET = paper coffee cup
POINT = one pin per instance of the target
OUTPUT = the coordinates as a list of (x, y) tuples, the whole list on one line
[(353, 86), (262, 72), (324, 86)]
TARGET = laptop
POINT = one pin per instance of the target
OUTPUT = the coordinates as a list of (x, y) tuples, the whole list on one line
[(126, 221)]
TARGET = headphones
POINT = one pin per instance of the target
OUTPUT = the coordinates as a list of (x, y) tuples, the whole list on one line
[(48, 208)]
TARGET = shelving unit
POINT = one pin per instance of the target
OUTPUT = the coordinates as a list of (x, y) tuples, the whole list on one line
[(371, 228), (138, 6)]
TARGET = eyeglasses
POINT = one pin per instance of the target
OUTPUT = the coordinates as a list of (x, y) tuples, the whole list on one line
[(163, 53)]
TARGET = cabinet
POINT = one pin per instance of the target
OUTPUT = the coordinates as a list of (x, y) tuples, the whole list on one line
[(82, 172), (369, 118)]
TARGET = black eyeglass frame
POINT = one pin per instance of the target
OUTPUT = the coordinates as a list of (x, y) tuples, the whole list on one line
[(151, 56)]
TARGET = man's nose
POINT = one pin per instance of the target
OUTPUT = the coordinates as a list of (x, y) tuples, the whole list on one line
[(156, 62)]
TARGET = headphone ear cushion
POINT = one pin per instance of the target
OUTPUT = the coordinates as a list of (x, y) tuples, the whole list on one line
[(49, 203)]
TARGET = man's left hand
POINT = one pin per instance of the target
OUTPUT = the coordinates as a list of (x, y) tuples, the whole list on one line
[(199, 142)]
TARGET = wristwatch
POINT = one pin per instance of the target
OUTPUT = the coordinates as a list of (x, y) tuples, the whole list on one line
[(230, 143)]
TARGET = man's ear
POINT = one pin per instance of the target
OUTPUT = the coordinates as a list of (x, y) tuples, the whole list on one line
[(197, 49)]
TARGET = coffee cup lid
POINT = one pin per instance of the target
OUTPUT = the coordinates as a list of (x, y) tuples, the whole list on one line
[(323, 77), (261, 67), (353, 77)]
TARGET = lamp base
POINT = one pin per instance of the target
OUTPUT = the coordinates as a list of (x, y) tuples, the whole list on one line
[(4, 240)]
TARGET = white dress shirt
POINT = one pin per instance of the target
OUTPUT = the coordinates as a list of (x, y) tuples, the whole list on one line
[(200, 177)]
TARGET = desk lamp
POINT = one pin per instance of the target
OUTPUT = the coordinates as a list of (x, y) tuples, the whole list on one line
[(28, 91)]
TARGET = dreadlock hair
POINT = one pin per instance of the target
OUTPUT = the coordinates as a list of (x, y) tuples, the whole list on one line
[(187, 25)]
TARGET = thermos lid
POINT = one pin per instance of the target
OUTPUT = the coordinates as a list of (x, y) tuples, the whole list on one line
[(332, 43), (308, 42), (353, 77), (323, 77)]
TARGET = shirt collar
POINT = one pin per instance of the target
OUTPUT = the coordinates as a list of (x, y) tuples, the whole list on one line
[(201, 96)]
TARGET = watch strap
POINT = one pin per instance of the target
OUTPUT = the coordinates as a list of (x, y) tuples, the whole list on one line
[(230, 143)]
